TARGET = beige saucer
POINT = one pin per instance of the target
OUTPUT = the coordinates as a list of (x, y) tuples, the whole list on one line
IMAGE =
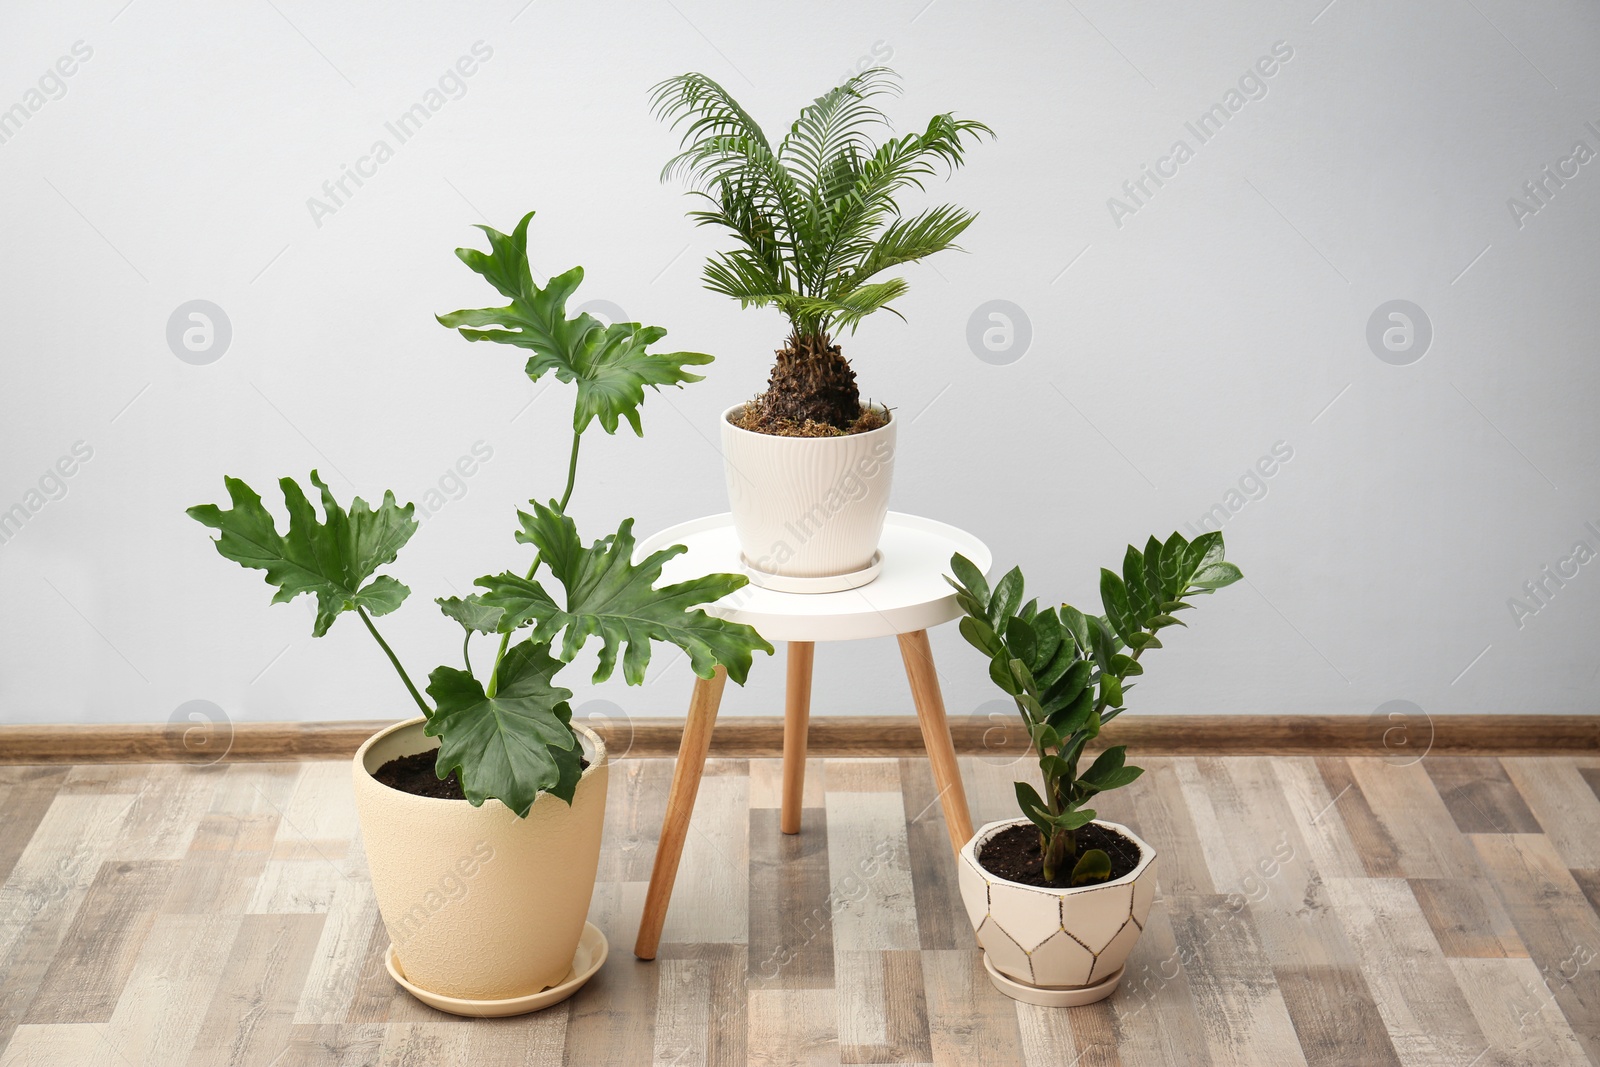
[(592, 951), (1054, 996)]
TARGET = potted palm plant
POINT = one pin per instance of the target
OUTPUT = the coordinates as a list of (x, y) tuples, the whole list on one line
[(1058, 898), (482, 816), (816, 221)]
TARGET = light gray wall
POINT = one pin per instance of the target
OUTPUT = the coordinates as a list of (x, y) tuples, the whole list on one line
[(1172, 346)]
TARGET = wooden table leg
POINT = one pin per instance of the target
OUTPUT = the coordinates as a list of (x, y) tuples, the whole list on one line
[(918, 656), (796, 717), (680, 806)]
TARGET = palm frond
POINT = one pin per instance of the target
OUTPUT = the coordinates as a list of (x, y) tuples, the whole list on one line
[(850, 308), (817, 218), (906, 241), (835, 123)]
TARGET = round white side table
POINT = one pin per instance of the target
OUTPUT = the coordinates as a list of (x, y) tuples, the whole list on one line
[(909, 595)]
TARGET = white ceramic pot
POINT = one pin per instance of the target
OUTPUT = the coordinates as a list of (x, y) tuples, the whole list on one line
[(1057, 947), (479, 904), (808, 508)]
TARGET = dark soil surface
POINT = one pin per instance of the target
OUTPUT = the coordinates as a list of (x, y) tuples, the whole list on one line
[(755, 418), (416, 774), (1014, 854)]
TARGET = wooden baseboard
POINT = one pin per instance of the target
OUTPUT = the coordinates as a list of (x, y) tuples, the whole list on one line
[(853, 735)]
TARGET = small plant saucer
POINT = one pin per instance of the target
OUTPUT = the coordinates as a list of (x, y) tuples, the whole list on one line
[(592, 951), (828, 583), (1054, 996)]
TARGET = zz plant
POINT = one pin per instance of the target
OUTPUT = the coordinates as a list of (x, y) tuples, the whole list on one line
[(816, 219), (505, 728), (1067, 672)]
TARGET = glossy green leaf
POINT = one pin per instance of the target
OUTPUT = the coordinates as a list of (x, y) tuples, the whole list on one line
[(1133, 584), (1020, 639), (473, 614), (1216, 576), (1033, 806), (1072, 820), (971, 578), (611, 365), (980, 635), (1114, 597), (611, 597), (513, 745), (331, 559), (1007, 594)]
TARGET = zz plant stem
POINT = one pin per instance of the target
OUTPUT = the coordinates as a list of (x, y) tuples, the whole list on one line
[(1067, 674)]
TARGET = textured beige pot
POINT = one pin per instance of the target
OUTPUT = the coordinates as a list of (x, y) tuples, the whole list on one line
[(1056, 939), (479, 904), (808, 507)]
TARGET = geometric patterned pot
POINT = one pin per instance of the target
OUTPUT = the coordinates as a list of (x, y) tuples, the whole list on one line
[(1056, 939)]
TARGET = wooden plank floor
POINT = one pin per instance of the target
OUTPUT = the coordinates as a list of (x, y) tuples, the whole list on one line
[(1341, 911)]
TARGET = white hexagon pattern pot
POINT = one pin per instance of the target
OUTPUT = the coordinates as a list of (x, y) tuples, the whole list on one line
[(808, 508), (1056, 947), (479, 904)]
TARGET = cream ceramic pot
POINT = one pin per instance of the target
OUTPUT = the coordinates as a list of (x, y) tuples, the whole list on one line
[(1061, 941), (808, 507), (480, 905)]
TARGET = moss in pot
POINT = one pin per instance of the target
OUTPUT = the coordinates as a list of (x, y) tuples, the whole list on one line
[(1057, 899)]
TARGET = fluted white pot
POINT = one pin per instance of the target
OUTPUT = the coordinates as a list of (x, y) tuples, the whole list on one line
[(479, 904), (1056, 946), (808, 507)]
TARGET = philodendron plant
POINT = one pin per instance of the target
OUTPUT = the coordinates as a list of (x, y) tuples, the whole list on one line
[(1067, 672), (817, 221), (505, 728)]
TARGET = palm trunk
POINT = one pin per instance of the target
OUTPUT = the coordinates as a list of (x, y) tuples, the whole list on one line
[(811, 383)]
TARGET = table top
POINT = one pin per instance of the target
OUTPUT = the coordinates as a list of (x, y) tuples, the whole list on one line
[(910, 592)]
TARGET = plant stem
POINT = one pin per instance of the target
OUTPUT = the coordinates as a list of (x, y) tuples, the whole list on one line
[(466, 657), (572, 472), (505, 638), (404, 677)]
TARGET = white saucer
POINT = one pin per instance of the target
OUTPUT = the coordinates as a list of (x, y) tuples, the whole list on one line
[(827, 583), (592, 951), (1053, 996)]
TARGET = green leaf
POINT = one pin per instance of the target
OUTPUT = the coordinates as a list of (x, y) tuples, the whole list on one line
[(1072, 683), (610, 596), (1007, 594), (1000, 674), (611, 364), (1107, 762), (1020, 639), (330, 559), (1093, 866), (1125, 666), (1077, 624), (1216, 576), (1203, 550), (981, 635), (472, 613), (1155, 588), (1114, 596), (1073, 717), (1133, 581), (1054, 768), (971, 578), (1102, 640), (1144, 640), (510, 746), (1110, 691), (1033, 806), (1173, 570), (1074, 818)]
